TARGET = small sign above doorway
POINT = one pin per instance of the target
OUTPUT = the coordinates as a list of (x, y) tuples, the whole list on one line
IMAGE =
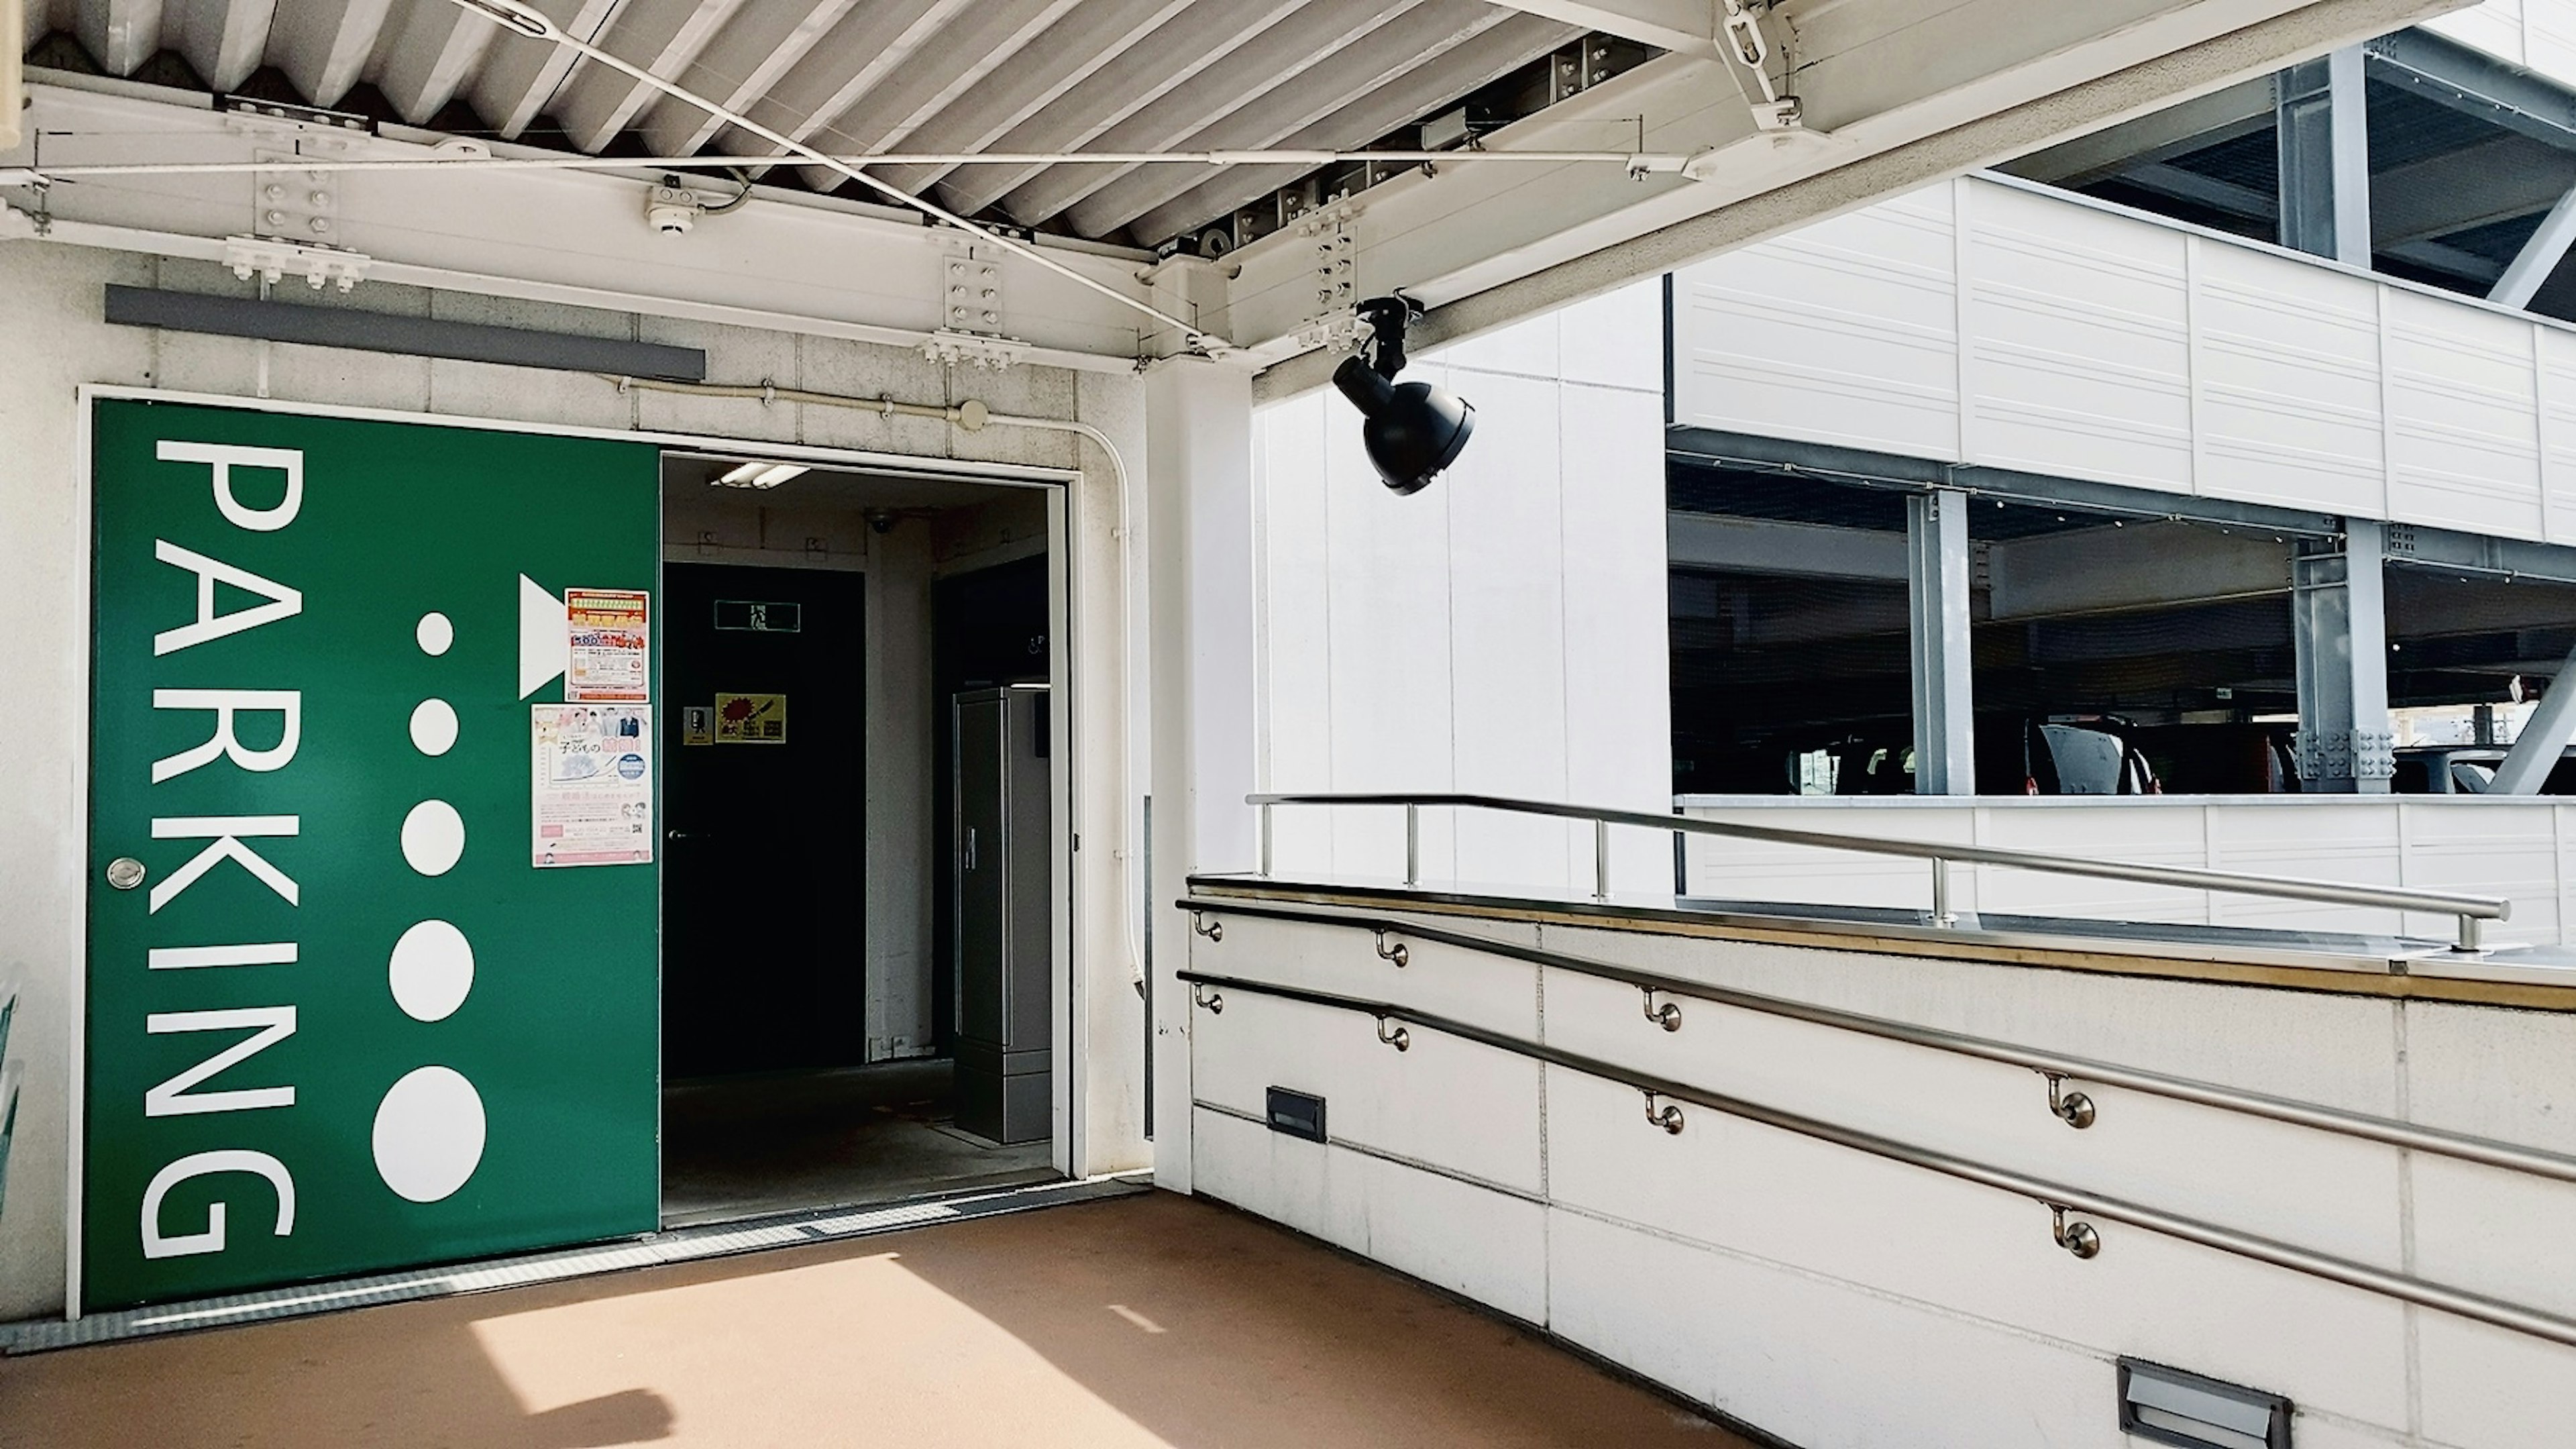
[(756, 617)]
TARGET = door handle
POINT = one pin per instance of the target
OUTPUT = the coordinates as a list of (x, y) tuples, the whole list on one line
[(970, 847), (679, 835)]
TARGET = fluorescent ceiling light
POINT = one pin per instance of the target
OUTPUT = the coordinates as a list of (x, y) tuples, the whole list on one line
[(761, 475)]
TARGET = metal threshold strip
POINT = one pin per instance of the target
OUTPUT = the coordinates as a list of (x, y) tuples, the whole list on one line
[(2077, 1237), (2058, 1068), (679, 1245)]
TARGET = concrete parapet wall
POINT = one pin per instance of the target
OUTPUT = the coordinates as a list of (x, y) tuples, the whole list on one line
[(1839, 1299)]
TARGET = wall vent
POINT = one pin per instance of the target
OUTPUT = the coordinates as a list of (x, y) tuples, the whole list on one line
[(1298, 1114)]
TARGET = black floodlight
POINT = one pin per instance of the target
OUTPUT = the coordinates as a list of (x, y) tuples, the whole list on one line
[(1414, 430)]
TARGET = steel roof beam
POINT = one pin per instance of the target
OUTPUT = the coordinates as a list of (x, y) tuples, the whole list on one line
[(1075, 49), (1885, 109), (520, 78), (2204, 121), (2539, 256), (738, 67), (1275, 58), (984, 37), (119, 34), (434, 49), (323, 45), (1407, 55), (223, 40), (1202, 36), (662, 36), (869, 44), (2493, 181), (1684, 27), (2477, 83), (1483, 58)]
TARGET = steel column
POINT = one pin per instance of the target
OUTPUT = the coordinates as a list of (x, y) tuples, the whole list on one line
[(2543, 739), (2340, 632), (1936, 553), (2325, 158)]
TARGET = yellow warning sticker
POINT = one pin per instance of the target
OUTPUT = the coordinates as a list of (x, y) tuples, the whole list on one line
[(751, 719)]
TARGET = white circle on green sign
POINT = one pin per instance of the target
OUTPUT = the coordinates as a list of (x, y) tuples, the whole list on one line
[(435, 633), (429, 1134), (433, 726), (433, 837), (431, 971)]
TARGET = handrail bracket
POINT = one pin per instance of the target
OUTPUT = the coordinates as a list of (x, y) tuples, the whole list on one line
[(1668, 1016), (1669, 1117), (2078, 1238), (2075, 1109)]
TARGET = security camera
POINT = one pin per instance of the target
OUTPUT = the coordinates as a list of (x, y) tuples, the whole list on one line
[(1414, 430), (672, 210)]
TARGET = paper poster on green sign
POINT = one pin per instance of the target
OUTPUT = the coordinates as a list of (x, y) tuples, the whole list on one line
[(338, 1022)]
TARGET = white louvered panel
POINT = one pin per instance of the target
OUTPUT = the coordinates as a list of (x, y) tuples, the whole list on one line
[(1845, 332), (2078, 338), (2463, 425), (2557, 392), (2495, 27), (2467, 845), (2289, 384), (2549, 38)]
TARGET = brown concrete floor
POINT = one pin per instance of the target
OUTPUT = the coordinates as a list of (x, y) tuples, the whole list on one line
[(735, 1147), (1124, 1324)]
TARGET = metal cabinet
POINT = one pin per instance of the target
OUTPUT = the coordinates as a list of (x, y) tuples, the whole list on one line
[(1004, 925)]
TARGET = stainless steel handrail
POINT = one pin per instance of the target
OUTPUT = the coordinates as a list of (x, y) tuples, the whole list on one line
[(2470, 910), (2059, 1198), (2461, 1146)]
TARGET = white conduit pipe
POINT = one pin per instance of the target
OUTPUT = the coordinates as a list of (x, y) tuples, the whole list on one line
[(1640, 161), (972, 416), (536, 25)]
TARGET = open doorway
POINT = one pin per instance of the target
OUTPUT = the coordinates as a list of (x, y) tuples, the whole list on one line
[(854, 1007)]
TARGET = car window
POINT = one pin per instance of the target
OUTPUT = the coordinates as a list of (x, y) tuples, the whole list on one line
[(2088, 761)]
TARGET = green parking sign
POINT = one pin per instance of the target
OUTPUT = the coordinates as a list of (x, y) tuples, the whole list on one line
[(338, 1020)]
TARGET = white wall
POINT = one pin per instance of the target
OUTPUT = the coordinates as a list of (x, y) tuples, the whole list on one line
[(53, 340), (1501, 632), (2515, 848), (1842, 1301), (1992, 322)]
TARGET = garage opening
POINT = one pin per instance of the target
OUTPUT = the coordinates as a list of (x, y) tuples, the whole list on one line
[(858, 981)]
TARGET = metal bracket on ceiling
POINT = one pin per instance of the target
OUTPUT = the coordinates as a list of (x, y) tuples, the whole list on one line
[(273, 259), (1336, 325), (969, 349), (1741, 36), (293, 204), (970, 332)]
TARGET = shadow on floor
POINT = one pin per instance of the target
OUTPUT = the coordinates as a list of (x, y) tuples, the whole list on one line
[(736, 1147), (1126, 1324)]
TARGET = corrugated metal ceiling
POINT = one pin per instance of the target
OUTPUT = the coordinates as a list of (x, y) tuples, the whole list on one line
[(859, 76)]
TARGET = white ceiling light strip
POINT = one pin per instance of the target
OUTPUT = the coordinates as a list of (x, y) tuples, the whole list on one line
[(523, 20)]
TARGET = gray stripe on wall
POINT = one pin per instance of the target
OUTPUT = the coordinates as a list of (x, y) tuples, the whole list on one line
[(411, 336)]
